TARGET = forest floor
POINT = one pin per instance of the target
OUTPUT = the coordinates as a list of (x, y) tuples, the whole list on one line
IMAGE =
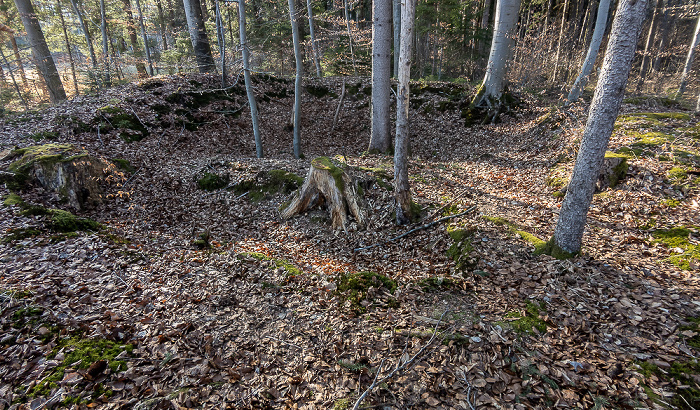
[(193, 298)]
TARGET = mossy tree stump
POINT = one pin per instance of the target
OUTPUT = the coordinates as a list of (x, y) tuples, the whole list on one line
[(330, 185)]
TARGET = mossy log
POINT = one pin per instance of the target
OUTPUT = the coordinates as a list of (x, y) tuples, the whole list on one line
[(330, 185)]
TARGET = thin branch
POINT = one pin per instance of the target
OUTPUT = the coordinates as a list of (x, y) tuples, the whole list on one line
[(426, 226)]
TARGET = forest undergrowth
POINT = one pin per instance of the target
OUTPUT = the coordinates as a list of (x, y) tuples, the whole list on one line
[(191, 292)]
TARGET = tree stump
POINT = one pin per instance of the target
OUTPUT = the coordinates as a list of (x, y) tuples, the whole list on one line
[(330, 185)]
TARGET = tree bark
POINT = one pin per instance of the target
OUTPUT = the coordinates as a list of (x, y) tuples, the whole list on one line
[(40, 50), (162, 24), (246, 75), (380, 139), (314, 46), (596, 40), (402, 188), (86, 33), (145, 38), (221, 41), (297, 80), (646, 57), (559, 41), (133, 40), (689, 60), (198, 35), (664, 29), (15, 49), (105, 44), (396, 17), (59, 9), (347, 25), (601, 119), (505, 23), (14, 82)]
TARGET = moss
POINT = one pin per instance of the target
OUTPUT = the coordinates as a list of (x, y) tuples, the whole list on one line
[(124, 165), (353, 367), (18, 234), (212, 182), (436, 283), (671, 203), (677, 174), (652, 118), (43, 135), (26, 316), (341, 404), (64, 221), (552, 249), (620, 170), (693, 326), (678, 238), (353, 288), (336, 172), (132, 128), (653, 101), (47, 153), (532, 239), (529, 321), (12, 199), (556, 181), (291, 269), (272, 182)]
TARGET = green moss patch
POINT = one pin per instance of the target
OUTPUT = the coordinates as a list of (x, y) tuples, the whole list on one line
[(532, 239), (269, 183), (131, 128), (336, 172), (18, 234), (652, 118), (437, 283), (28, 316), (44, 135), (678, 241), (12, 199), (212, 182), (58, 220), (461, 249), (46, 154), (653, 101), (124, 165), (291, 269), (353, 289), (681, 377), (529, 320)]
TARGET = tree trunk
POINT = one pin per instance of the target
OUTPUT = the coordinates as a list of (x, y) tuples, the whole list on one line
[(59, 9), (133, 40), (380, 140), (664, 29), (246, 75), (330, 184), (587, 68), (485, 16), (198, 35), (15, 49), (221, 40), (689, 60), (396, 17), (86, 33), (646, 57), (145, 38), (297, 80), (601, 119), (347, 25), (314, 46), (14, 82), (559, 41), (40, 50), (105, 44), (402, 189), (505, 23), (697, 106), (162, 25)]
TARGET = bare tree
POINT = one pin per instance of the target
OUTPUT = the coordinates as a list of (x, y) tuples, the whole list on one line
[(605, 106), (246, 75), (133, 40), (380, 139), (653, 28), (587, 68), (314, 46), (198, 35), (402, 189), (396, 16), (40, 51), (105, 43), (59, 9), (689, 60), (145, 38), (297, 80), (86, 33)]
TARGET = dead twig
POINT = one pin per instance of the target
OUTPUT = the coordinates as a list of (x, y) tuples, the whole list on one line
[(400, 364), (426, 226), (434, 214), (340, 105)]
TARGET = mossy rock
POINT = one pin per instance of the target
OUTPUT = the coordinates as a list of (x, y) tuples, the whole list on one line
[(124, 165), (613, 170), (552, 249), (353, 289), (131, 128), (212, 182)]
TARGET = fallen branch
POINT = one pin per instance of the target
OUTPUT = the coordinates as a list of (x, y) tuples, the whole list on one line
[(399, 365), (426, 226), (340, 104)]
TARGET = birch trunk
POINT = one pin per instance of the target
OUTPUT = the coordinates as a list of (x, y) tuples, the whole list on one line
[(105, 44), (198, 35), (246, 75), (297, 81), (40, 51), (559, 41), (596, 40), (59, 9), (396, 16), (380, 140), (505, 23), (689, 60), (145, 39), (314, 46), (646, 57), (601, 119), (86, 33), (402, 188)]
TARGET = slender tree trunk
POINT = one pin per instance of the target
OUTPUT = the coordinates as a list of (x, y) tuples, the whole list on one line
[(86, 33), (561, 38), (697, 106), (230, 26), (248, 82), (314, 46), (664, 29), (297, 80), (40, 50), (59, 9), (689, 60), (396, 17), (545, 30), (145, 38), (198, 35), (380, 140), (221, 40), (402, 189), (162, 25), (14, 82), (601, 119), (505, 24), (347, 25), (646, 57), (133, 39), (485, 16), (105, 44), (15, 49), (587, 68)]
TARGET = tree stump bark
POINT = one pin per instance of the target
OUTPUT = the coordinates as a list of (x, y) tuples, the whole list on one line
[(329, 184)]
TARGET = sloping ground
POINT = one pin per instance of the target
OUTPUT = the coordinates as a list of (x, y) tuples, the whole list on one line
[(137, 315)]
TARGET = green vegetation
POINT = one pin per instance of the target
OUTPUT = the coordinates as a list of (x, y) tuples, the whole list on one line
[(353, 367), (552, 249), (620, 170), (681, 376), (461, 248), (59, 221), (212, 182), (320, 91), (653, 101), (532, 239), (678, 241), (270, 183), (691, 332), (64, 221), (530, 320), (124, 165), (436, 283), (203, 240), (28, 316), (46, 154), (132, 129), (671, 203), (12, 199), (341, 404), (17, 234), (652, 118), (280, 263), (44, 135), (336, 172), (353, 288)]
